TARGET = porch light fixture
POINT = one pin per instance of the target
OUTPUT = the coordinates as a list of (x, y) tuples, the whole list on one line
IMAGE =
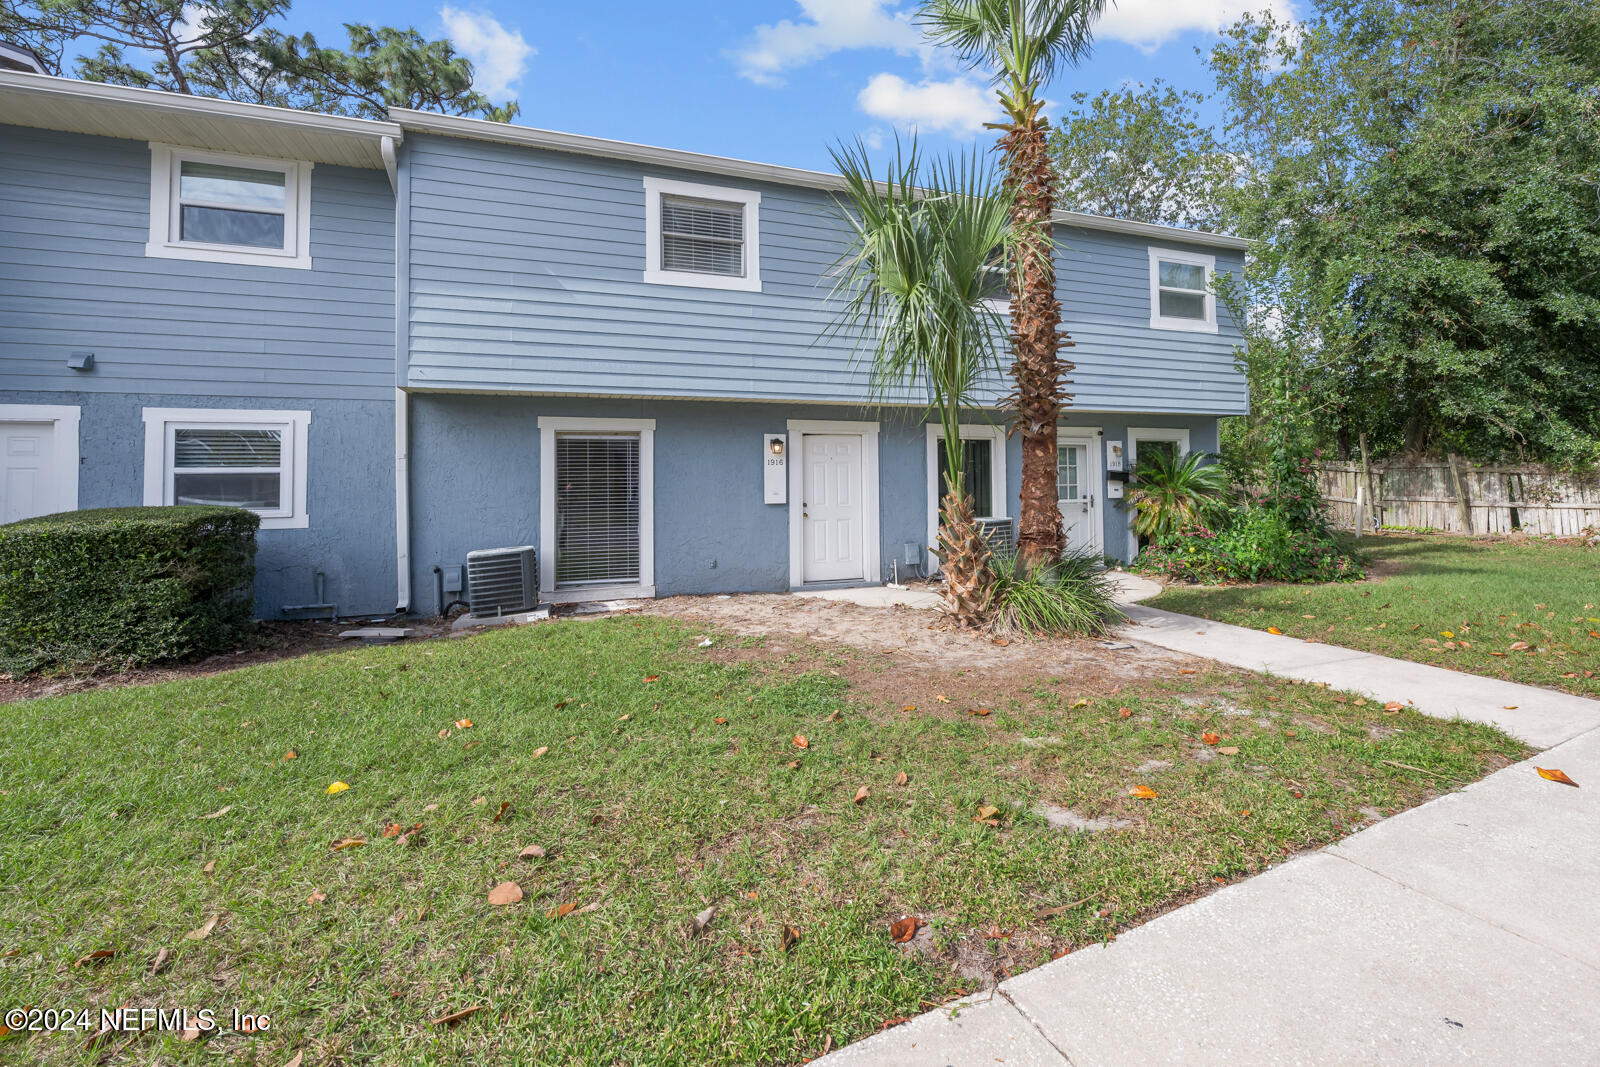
[(775, 446)]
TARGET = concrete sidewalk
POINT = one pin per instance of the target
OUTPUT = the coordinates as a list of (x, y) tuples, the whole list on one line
[(1466, 930)]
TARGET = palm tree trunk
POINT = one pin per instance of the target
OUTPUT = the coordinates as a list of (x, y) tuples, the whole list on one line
[(1037, 338), (963, 555)]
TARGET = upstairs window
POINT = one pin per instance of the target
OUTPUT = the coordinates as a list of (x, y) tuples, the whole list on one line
[(1181, 297), (702, 236), (228, 209), (244, 459)]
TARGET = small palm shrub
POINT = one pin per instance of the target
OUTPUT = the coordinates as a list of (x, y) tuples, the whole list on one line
[(1071, 596), (1172, 493)]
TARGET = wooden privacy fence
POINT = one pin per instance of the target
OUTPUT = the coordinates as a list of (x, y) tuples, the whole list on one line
[(1454, 495)]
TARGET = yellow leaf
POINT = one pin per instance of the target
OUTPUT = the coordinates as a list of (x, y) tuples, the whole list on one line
[(1274, 630), (336, 787), (1446, 633), (1553, 775), (1081, 704), (1143, 792)]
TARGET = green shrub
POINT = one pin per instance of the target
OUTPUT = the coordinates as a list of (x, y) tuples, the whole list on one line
[(1072, 596), (1256, 543), (1170, 493), (126, 586)]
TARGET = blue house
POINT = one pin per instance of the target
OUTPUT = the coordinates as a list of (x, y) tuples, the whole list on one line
[(404, 341)]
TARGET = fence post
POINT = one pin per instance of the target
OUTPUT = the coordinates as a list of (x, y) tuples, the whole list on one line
[(1462, 504), (1370, 507)]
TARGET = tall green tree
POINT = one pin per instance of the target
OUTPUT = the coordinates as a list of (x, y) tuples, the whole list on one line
[(925, 242), (1142, 153), (233, 50), (1423, 183), (1024, 43)]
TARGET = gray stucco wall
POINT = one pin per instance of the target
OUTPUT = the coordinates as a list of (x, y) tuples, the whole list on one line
[(475, 482), (349, 490)]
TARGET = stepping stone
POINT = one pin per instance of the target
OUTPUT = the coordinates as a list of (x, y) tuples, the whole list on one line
[(376, 633)]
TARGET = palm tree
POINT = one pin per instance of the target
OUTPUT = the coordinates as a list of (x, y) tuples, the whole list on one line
[(1023, 42), (912, 285)]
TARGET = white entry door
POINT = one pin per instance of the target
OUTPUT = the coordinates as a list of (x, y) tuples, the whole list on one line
[(833, 510), (1077, 493), (28, 482)]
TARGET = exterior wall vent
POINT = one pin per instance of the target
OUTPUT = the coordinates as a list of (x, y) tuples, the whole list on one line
[(1001, 535), (502, 581)]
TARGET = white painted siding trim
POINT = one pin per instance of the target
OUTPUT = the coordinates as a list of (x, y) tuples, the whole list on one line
[(159, 424), (1179, 437), (64, 442), (549, 426), (868, 432), (164, 243), (655, 189), (1162, 322), (997, 463), (1093, 475)]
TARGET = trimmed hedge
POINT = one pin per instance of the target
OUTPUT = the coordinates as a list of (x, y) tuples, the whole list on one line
[(125, 586)]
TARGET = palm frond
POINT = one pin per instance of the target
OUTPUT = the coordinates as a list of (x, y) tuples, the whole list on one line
[(1023, 41)]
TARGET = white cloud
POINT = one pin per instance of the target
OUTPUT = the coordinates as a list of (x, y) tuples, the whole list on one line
[(828, 26), (956, 106), (1149, 24), (499, 56)]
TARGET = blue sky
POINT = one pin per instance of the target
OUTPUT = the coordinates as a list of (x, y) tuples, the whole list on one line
[(771, 80)]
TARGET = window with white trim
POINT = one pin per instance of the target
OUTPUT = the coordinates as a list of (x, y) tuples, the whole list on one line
[(254, 460), (596, 503), (1181, 297), (225, 208), (703, 236)]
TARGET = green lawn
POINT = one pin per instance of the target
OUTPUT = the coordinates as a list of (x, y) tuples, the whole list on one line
[(1447, 601), (130, 817)]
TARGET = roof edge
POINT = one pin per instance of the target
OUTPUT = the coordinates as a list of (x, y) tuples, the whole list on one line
[(582, 144), (47, 85)]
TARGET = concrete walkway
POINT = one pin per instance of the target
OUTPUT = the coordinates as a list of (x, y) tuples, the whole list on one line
[(1466, 930)]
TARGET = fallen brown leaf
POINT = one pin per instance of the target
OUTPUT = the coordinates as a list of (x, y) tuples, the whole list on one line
[(1553, 775), (980, 712), (561, 911), (209, 868), (901, 779), (299, 1058), (505, 893), (652, 677), (988, 815), (291, 754), (903, 930), (463, 724), (505, 806), (541, 750), (698, 924), (1519, 646), (862, 794), (317, 897), (908, 707), (202, 932), (95, 956), (788, 938), (1229, 750), (160, 961), (720, 721), (349, 842), (1210, 738), (532, 852), (1124, 712), (801, 742), (219, 813)]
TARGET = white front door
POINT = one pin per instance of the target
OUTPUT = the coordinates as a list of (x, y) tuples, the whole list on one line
[(28, 481), (833, 510), (1077, 493)]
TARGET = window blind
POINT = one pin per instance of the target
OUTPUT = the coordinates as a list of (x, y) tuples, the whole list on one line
[(597, 509), (702, 236), (977, 474), (238, 468)]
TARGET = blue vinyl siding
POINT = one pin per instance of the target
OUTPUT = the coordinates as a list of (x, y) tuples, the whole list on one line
[(74, 219), (525, 275)]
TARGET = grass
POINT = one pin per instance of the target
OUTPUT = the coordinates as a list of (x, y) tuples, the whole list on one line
[(649, 809), (1447, 601)]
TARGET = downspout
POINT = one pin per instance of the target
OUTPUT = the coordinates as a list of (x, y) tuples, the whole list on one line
[(402, 500)]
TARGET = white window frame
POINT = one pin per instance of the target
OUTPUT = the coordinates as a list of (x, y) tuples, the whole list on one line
[(870, 542), (165, 167), (1159, 321), (64, 441), (655, 189), (549, 426), (996, 435), (1177, 435), (161, 424)]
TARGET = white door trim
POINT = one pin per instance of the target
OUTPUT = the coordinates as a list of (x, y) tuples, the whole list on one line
[(1177, 435), (65, 443), (549, 426), (871, 551), (1093, 476), (997, 464)]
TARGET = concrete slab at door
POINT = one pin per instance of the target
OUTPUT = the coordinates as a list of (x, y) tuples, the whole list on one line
[(833, 509), (28, 478)]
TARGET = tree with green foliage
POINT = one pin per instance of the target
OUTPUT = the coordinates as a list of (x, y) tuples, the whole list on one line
[(1023, 43), (913, 286), (231, 50), (1423, 185), (1142, 154)]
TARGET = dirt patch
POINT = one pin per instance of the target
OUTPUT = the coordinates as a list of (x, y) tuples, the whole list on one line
[(967, 669), (274, 641)]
